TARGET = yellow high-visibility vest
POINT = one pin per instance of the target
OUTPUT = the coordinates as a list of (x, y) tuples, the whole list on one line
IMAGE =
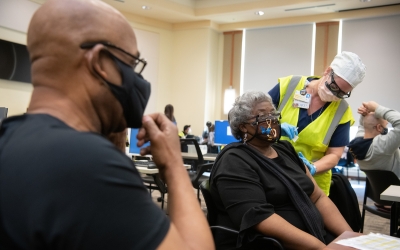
[(314, 139)]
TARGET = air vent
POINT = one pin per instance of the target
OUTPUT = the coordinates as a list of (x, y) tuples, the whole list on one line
[(311, 7)]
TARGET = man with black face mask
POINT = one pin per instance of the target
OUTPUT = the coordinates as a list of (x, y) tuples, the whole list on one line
[(374, 147), (63, 184)]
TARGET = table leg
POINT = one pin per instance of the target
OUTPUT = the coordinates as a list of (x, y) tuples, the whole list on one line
[(394, 220)]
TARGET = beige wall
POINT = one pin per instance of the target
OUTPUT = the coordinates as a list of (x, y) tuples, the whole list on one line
[(15, 96), (163, 91), (194, 76)]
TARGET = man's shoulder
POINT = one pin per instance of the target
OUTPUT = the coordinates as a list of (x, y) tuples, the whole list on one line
[(45, 137)]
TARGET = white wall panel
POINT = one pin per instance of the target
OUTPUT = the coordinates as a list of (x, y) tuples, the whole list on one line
[(377, 42), (271, 53)]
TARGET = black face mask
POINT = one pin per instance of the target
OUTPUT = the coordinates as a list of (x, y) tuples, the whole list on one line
[(273, 131), (384, 131), (133, 94)]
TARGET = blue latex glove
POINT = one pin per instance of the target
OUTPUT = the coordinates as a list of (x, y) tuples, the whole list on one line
[(309, 165), (288, 130)]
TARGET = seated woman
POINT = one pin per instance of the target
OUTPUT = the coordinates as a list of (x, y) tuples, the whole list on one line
[(261, 187)]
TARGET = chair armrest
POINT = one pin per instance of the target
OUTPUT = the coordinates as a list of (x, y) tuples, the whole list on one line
[(274, 241), (200, 171)]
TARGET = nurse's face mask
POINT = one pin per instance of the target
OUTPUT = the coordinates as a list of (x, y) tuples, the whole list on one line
[(134, 92)]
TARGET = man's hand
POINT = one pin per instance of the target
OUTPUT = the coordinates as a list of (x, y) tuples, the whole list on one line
[(309, 165), (362, 111), (367, 107), (164, 142), (288, 130), (370, 106)]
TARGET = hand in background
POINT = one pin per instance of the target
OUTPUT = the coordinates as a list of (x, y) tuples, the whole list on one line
[(362, 111), (309, 165), (367, 107), (288, 130), (164, 142), (370, 106)]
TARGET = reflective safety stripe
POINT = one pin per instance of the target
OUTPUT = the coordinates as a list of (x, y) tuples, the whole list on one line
[(335, 122), (292, 85)]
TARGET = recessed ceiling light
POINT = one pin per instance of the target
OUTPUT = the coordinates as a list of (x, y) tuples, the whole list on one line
[(145, 7), (365, 1), (259, 13)]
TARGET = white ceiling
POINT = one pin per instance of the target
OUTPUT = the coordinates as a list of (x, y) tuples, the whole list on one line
[(235, 11)]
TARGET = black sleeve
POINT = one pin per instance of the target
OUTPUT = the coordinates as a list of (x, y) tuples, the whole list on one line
[(275, 94)]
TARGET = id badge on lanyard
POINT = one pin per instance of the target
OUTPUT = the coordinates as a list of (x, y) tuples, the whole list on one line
[(301, 98)]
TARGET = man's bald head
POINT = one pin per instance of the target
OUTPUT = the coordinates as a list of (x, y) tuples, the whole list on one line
[(370, 121), (59, 27), (373, 126), (72, 77)]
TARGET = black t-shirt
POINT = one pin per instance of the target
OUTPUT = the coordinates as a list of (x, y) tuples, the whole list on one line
[(64, 189), (246, 194)]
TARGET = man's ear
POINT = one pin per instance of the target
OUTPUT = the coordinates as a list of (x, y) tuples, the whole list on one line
[(96, 59)]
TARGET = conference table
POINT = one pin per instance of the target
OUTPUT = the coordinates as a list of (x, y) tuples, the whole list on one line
[(144, 170), (392, 193), (192, 156), (188, 156)]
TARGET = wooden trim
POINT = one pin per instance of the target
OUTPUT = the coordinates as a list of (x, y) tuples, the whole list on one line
[(233, 32), (327, 24), (326, 46), (232, 59)]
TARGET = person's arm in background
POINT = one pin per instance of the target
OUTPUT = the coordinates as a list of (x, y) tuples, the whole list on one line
[(189, 228), (363, 112), (390, 142)]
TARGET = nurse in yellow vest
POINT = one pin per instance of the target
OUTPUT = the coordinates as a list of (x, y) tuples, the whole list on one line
[(315, 115)]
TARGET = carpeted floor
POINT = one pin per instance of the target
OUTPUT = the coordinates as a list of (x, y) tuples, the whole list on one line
[(373, 223)]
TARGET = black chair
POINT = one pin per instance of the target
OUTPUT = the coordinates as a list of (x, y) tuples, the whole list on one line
[(184, 148), (343, 196), (211, 216), (153, 182), (198, 178), (376, 182)]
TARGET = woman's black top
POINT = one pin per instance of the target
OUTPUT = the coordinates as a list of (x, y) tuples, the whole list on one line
[(245, 193)]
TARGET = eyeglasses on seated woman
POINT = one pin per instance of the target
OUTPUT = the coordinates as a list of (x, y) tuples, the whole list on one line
[(261, 187)]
